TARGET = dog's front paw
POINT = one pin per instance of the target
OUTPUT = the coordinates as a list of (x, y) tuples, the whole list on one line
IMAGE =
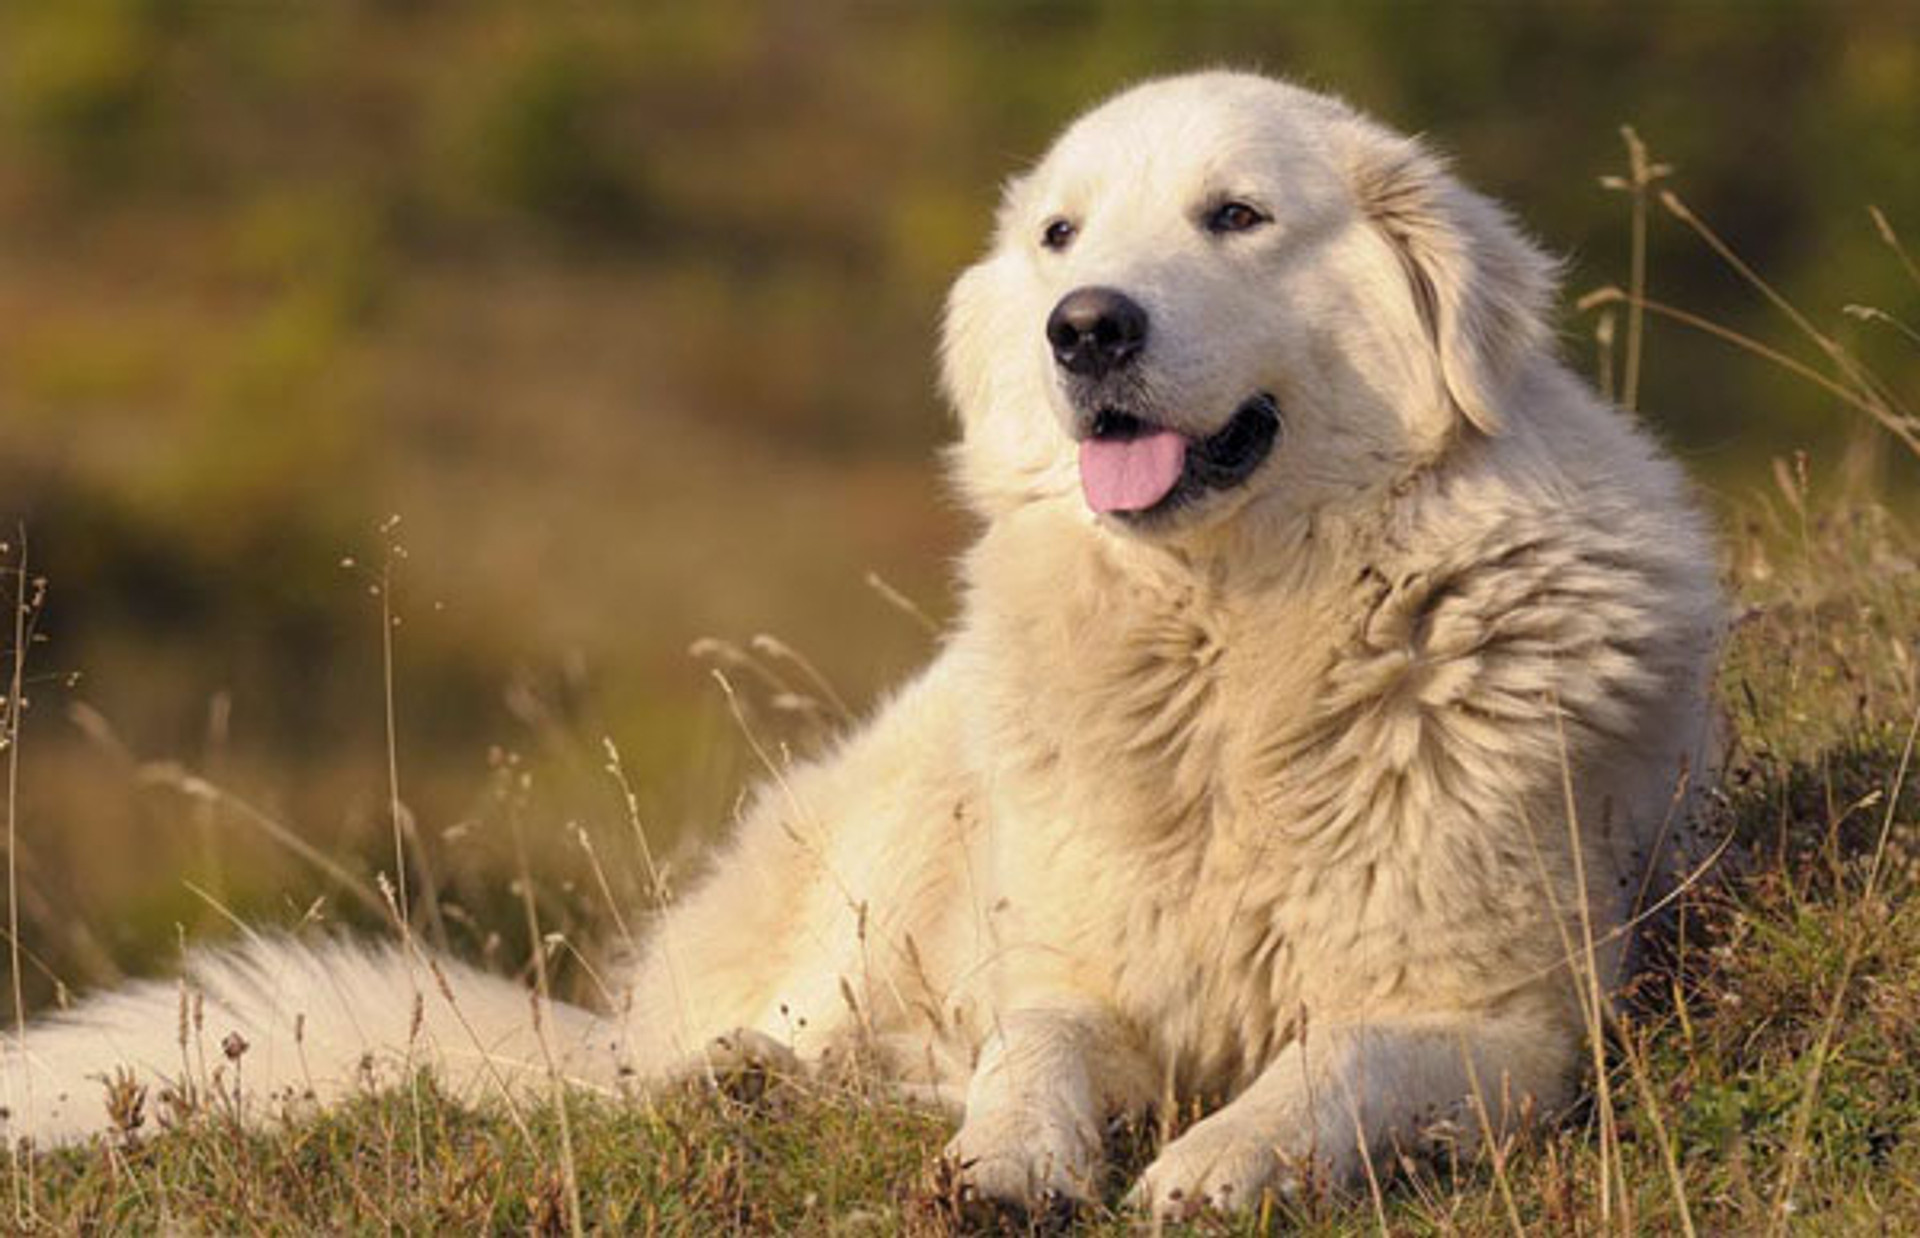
[(1220, 1165), (1038, 1162), (740, 1064)]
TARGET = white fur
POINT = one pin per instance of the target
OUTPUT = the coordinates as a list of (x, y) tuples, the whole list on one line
[(1265, 804)]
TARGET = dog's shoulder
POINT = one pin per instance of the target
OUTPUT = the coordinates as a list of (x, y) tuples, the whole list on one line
[(1550, 584)]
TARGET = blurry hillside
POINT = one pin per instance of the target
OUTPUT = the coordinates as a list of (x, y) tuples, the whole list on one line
[(629, 313)]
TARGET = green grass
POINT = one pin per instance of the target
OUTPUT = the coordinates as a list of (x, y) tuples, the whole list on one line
[(686, 1162)]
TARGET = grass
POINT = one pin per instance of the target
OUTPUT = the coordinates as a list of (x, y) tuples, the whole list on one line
[(685, 1163), (1759, 1075)]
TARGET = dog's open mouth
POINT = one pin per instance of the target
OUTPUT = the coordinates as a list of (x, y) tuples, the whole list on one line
[(1132, 467)]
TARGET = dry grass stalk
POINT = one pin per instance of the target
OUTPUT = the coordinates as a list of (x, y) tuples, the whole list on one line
[(28, 594), (542, 998)]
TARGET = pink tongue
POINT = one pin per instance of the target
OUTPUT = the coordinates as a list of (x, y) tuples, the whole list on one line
[(1129, 475)]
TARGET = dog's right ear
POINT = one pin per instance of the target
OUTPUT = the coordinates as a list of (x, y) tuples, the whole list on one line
[(1480, 287), (992, 369), (970, 329)]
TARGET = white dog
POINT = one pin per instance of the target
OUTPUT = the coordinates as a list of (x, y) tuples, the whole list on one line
[(1329, 673)]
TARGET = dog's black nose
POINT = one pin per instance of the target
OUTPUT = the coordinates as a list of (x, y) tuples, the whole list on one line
[(1095, 331)]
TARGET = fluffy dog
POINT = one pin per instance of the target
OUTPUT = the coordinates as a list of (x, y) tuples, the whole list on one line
[(1331, 668)]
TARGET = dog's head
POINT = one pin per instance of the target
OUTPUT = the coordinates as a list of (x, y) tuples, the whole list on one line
[(1219, 289)]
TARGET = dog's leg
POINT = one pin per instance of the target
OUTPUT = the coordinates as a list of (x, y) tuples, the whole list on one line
[(1036, 1111), (1343, 1099)]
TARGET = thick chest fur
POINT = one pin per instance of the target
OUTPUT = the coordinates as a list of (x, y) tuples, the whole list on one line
[(1122, 707), (1131, 843), (1339, 795)]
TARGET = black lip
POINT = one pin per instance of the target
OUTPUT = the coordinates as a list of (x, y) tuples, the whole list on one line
[(1220, 461), (1111, 423)]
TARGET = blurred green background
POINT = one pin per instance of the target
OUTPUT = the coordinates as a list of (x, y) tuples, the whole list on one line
[(628, 311)]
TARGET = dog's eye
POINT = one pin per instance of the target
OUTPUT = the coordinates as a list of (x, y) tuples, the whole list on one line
[(1235, 216), (1058, 234)]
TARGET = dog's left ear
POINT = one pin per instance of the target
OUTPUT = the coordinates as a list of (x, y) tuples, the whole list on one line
[(1480, 287)]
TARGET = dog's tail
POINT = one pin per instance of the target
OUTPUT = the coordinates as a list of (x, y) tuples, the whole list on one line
[(275, 1025)]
